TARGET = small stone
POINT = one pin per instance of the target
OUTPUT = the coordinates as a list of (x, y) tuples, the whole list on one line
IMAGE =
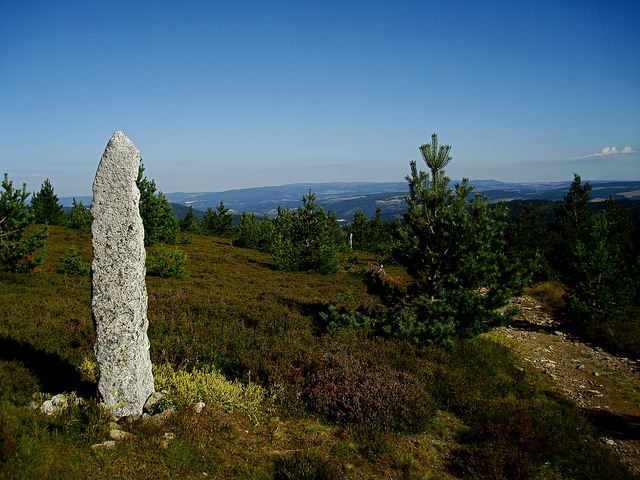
[(104, 445), (151, 405), (595, 374), (198, 407), (580, 367), (120, 435), (594, 392), (557, 332), (48, 408), (56, 404)]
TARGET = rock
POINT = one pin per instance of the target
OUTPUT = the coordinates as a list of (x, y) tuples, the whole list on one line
[(104, 445), (120, 435), (48, 408), (119, 294), (199, 406), (151, 405), (56, 404)]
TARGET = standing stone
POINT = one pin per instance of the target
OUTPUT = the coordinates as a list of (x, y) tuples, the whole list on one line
[(118, 290)]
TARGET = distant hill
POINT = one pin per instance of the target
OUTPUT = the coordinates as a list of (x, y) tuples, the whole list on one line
[(345, 198)]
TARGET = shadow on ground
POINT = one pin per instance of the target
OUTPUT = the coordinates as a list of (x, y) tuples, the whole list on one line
[(54, 373), (614, 425)]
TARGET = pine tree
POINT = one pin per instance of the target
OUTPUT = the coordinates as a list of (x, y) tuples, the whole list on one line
[(373, 235), (254, 232), (160, 222), (360, 229), (601, 284), (454, 250), (303, 239), (283, 248), (224, 218), (217, 222), (593, 256), (336, 232), (527, 243), (17, 252), (188, 223), (79, 217), (45, 205)]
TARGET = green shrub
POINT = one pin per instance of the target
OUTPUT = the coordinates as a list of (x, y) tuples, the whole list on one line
[(347, 391), (72, 264), (165, 263), (335, 318), (305, 466)]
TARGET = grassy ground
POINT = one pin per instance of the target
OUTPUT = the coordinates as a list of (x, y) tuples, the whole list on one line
[(482, 413)]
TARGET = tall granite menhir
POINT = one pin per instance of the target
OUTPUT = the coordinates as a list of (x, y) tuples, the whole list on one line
[(119, 293)]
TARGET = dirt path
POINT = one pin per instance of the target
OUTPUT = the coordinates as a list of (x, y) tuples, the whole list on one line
[(605, 387)]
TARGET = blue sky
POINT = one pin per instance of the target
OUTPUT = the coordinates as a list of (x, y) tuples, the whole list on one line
[(220, 95)]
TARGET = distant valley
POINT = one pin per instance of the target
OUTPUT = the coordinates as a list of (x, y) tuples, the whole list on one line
[(345, 198)]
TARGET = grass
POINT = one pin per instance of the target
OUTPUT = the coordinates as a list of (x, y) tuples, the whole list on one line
[(235, 324)]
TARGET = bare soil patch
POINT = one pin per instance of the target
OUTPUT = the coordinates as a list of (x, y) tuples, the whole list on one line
[(605, 386)]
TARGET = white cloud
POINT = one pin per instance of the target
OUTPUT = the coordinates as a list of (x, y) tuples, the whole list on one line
[(606, 151)]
